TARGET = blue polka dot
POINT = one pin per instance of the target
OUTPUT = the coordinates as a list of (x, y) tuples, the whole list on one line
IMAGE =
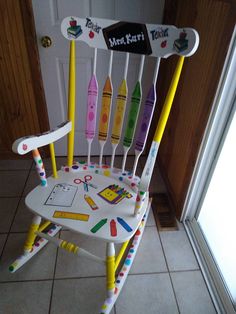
[(43, 182), (123, 174), (75, 167), (117, 281), (120, 178), (41, 174), (131, 250), (129, 173), (127, 262), (91, 166), (54, 227)]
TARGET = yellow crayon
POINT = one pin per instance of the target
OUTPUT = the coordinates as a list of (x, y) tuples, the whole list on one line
[(119, 113), (105, 110), (91, 202), (70, 215)]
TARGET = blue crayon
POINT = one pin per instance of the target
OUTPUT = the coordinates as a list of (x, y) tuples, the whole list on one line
[(124, 224)]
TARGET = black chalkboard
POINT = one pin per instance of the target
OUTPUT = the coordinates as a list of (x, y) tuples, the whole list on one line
[(128, 37)]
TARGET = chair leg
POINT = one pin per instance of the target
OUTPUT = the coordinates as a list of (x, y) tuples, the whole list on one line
[(110, 269), (122, 276), (31, 236), (31, 247)]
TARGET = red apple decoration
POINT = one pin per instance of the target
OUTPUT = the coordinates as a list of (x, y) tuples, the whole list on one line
[(91, 34), (24, 147), (163, 44), (73, 23)]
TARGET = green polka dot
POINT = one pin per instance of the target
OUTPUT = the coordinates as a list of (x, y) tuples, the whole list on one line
[(96, 171), (141, 192), (40, 161), (82, 162), (11, 268)]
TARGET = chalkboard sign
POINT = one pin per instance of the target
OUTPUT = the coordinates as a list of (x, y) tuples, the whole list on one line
[(129, 37)]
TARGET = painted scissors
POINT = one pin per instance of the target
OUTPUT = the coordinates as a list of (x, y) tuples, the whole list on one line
[(87, 178)]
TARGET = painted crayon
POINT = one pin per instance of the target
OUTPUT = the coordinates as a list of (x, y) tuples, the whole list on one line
[(113, 228), (105, 110), (99, 225), (92, 108), (133, 115), (119, 113), (124, 224), (90, 202), (146, 119)]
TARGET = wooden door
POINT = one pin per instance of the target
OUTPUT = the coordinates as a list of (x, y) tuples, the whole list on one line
[(215, 21)]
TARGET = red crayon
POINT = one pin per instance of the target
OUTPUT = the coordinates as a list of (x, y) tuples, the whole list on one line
[(113, 228)]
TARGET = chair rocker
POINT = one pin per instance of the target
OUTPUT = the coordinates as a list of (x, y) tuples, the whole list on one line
[(95, 199)]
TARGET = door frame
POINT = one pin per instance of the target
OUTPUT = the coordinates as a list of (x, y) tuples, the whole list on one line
[(223, 109)]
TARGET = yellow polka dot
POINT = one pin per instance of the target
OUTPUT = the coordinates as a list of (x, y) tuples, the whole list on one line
[(107, 173), (104, 306), (138, 206)]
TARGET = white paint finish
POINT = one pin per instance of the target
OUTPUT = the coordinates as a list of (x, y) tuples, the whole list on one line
[(48, 16), (26, 144), (38, 197), (164, 40)]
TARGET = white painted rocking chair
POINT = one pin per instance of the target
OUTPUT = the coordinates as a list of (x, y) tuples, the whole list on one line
[(95, 199)]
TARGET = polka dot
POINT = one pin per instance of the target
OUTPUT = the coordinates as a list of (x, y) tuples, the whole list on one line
[(105, 166), (96, 171), (142, 193), (91, 116), (82, 162), (129, 173), (138, 198), (138, 206), (130, 177), (131, 250), (124, 268), (117, 281), (41, 240), (85, 168), (40, 161), (129, 256), (133, 184), (67, 169), (44, 182), (75, 167), (121, 274), (107, 173), (127, 262), (37, 244), (116, 290), (54, 227), (41, 174), (104, 118), (104, 306), (120, 178), (91, 166), (138, 232), (123, 174)]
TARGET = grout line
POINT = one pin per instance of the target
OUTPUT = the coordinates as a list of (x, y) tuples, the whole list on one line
[(13, 218), (184, 271), (171, 282), (53, 279)]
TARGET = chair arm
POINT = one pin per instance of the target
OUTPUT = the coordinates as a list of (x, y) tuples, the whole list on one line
[(25, 144)]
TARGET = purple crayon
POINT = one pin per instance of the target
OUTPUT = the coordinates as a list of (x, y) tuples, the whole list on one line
[(146, 119), (92, 108)]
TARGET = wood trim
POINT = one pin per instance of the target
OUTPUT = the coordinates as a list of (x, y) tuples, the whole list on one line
[(31, 45), (23, 108)]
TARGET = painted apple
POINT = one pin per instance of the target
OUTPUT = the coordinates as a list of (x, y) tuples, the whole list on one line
[(24, 147), (91, 34), (73, 23), (163, 44)]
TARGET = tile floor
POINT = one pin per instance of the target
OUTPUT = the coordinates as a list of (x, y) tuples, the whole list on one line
[(165, 277)]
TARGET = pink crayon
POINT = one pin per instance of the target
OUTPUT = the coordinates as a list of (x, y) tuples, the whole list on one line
[(92, 108)]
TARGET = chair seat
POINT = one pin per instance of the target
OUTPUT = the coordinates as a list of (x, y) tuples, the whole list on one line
[(91, 200)]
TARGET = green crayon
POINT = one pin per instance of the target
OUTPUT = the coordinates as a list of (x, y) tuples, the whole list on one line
[(133, 115), (99, 225)]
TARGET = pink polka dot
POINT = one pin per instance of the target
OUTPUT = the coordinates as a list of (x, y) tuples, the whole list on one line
[(121, 274), (129, 256), (85, 168), (132, 184), (91, 116)]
